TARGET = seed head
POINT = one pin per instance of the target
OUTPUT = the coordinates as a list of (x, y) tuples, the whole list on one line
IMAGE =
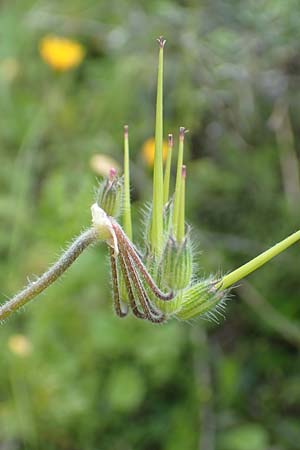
[(201, 298), (177, 263), (109, 196)]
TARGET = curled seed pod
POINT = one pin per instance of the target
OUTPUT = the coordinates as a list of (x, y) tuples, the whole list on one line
[(109, 196), (201, 298), (177, 263)]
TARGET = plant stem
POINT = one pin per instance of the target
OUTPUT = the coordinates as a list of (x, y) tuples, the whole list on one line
[(260, 260), (59, 267)]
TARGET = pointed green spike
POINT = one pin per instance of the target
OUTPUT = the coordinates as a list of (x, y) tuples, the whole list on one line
[(127, 223), (181, 215), (178, 183), (168, 169), (255, 263), (157, 204)]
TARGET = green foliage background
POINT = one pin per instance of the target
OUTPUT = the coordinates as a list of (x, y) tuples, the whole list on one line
[(93, 381)]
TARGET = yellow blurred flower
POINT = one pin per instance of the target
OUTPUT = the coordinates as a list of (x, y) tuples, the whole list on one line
[(101, 164), (60, 53), (148, 151), (20, 345)]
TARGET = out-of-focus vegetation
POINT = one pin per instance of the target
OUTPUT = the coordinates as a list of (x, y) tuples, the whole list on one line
[(73, 376)]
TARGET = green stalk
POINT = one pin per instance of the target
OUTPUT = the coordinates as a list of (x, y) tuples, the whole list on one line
[(127, 223), (181, 217), (178, 183), (168, 169), (157, 211), (260, 260)]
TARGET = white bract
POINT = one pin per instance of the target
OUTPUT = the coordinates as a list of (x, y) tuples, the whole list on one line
[(102, 224)]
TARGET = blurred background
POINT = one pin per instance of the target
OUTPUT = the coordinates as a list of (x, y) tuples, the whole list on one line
[(72, 375)]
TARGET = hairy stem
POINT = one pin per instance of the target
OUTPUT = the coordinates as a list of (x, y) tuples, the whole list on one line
[(36, 287)]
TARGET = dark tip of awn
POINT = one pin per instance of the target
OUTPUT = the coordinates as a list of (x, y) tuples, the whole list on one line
[(125, 130), (183, 171), (161, 41), (170, 140), (182, 132)]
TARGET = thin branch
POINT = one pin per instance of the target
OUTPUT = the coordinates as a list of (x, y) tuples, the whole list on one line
[(288, 329), (281, 123), (59, 267)]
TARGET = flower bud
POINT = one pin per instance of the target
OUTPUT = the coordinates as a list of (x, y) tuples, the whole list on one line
[(109, 196), (199, 299), (177, 263)]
